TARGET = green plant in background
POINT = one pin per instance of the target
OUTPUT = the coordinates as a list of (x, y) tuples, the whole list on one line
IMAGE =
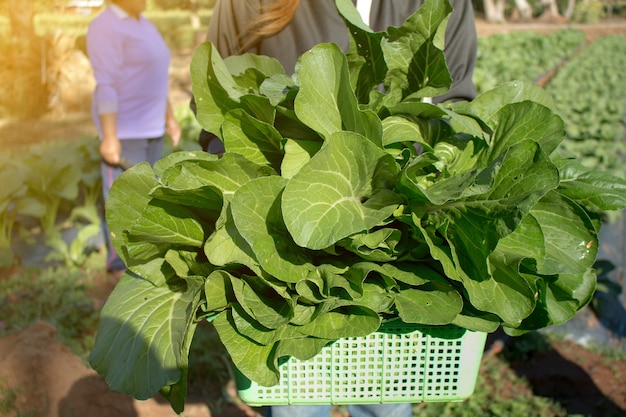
[(53, 179), (61, 189), (12, 175), (85, 212), (90, 185), (321, 219), (591, 11)]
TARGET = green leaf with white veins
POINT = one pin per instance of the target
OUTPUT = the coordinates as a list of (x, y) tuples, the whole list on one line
[(166, 223), (343, 189), (326, 102), (259, 142), (414, 52), (256, 212), (231, 171), (142, 333)]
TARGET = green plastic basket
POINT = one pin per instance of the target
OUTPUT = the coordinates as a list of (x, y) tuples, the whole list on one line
[(399, 363)]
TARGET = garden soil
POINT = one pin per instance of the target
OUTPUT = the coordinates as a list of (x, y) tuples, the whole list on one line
[(50, 381)]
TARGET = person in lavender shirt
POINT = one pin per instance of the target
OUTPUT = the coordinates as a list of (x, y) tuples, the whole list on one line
[(131, 108)]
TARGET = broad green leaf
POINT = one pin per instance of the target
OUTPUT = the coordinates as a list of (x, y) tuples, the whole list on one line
[(255, 361), (214, 89), (413, 274), (297, 154), (366, 60), (257, 214), (143, 335), (348, 322), (267, 66), (520, 179), (218, 290), (490, 102), (168, 161), (326, 102), (435, 303), (188, 264), (525, 243), (213, 178), (428, 78), (163, 222), (521, 121), (578, 288), (187, 183), (414, 52), (257, 141), (400, 129), (278, 88), (161, 226), (594, 190), (226, 247), (571, 244), (506, 294), (250, 328), (480, 321), (560, 298), (128, 198), (457, 154), (345, 188), (301, 349), (261, 301)]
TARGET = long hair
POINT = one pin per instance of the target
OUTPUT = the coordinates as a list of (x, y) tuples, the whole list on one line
[(273, 18)]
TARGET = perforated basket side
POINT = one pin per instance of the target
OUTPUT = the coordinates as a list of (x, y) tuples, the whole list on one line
[(399, 363)]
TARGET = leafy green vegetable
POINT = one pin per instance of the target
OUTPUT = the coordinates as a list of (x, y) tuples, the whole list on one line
[(322, 219)]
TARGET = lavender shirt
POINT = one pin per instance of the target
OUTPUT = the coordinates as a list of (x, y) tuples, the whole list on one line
[(130, 62)]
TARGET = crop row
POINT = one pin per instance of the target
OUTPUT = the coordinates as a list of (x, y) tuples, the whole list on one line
[(588, 86), (590, 95), (525, 56), (48, 183)]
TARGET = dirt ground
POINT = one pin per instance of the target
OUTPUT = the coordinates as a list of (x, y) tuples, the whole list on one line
[(57, 384)]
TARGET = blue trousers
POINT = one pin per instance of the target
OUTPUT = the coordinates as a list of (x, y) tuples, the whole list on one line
[(361, 410)]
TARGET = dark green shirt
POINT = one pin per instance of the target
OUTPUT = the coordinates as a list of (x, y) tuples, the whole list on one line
[(317, 21)]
